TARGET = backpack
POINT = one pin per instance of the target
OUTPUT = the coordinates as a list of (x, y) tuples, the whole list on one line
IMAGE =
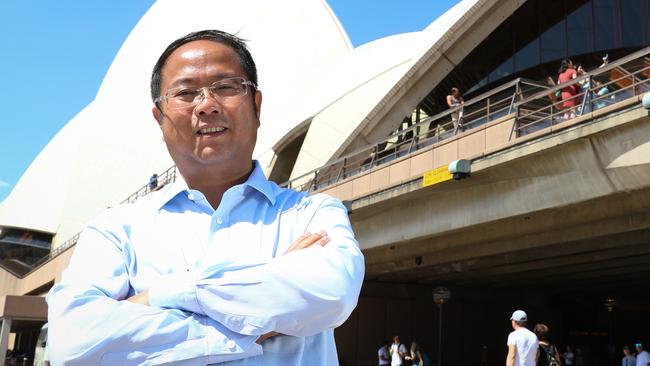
[(547, 356)]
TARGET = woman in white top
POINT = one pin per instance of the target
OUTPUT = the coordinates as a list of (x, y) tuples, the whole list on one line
[(455, 100)]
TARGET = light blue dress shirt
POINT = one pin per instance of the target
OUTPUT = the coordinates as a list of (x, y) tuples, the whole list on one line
[(217, 280)]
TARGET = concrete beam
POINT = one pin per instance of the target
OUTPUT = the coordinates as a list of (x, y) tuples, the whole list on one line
[(537, 259), (517, 235)]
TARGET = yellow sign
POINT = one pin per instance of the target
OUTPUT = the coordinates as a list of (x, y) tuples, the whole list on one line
[(436, 176)]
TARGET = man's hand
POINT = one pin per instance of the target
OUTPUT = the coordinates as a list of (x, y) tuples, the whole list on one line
[(141, 298), (307, 239), (266, 336)]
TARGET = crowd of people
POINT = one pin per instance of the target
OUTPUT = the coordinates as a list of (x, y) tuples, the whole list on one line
[(526, 348), (396, 354), (569, 98)]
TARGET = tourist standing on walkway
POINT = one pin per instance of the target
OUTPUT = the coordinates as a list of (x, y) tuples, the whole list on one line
[(628, 358), (642, 356), (454, 101), (397, 352), (547, 353), (566, 73), (568, 356), (522, 343), (383, 354)]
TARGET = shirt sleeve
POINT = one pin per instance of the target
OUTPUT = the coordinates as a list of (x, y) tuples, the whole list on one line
[(91, 324), (301, 293), (511, 339)]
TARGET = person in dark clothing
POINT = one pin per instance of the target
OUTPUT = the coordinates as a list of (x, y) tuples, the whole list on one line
[(547, 354)]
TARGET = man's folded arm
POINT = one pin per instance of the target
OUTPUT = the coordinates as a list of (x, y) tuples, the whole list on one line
[(91, 324), (301, 293)]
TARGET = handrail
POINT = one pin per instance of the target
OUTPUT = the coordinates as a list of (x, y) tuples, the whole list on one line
[(608, 68), (431, 130), (541, 110)]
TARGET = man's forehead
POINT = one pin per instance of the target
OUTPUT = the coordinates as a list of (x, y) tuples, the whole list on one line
[(201, 58), (201, 50)]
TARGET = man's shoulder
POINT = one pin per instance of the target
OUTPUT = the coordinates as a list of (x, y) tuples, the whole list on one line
[(288, 198), (521, 333)]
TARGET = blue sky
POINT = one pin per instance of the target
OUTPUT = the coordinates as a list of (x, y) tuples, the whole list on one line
[(55, 55)]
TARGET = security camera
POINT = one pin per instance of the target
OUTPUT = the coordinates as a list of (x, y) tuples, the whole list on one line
[(460, 169), (646, 101)]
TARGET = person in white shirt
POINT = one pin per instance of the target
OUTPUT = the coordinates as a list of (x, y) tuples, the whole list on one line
[(522, 343), (397, 352), (642, 356), (383, 354), (568, 356)]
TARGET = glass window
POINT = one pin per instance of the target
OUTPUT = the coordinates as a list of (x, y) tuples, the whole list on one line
[(527, 56), (604, 26), (553, 43), (579, 30), (631, 18), (502, 71)]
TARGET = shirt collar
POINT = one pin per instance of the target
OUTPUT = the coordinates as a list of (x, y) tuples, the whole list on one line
[(256, 180)]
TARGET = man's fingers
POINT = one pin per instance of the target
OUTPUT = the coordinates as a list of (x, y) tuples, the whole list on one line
[(307, 239)]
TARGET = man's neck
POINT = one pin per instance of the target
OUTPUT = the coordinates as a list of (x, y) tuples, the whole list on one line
[(213, 183)]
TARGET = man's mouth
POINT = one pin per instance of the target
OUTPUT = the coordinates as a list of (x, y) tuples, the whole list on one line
[(211, 130)]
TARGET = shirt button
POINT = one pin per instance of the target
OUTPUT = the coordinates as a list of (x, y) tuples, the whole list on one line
[(190, 196), (219, 221), (231, 344)]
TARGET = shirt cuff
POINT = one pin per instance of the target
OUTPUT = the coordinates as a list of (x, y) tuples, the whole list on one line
[(175, 292)]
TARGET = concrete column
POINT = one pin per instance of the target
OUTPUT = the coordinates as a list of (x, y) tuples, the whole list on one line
[(4, 339)]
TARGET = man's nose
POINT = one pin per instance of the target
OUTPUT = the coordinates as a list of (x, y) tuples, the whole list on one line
[(208, 103)]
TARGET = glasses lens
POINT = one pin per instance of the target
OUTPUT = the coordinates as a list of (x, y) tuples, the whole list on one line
[(183, 98), (228, 88)]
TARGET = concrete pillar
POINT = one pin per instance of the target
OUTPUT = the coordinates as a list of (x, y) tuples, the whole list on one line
[(4, 339)]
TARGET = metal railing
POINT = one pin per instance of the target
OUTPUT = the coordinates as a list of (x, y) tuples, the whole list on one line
[(166, 177), (489, 106), (626, 78)]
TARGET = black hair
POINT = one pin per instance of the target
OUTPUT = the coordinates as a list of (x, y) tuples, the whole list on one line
[(564, 65), (541, 331), (237, 44)]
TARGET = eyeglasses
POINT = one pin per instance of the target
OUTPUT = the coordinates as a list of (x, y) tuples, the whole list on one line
[(186, 98)]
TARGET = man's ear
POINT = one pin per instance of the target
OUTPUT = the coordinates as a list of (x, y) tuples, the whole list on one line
[(258, 103), (157, 114)]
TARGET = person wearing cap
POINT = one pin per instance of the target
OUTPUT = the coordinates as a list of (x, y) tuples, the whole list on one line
[(628, 359), (522, 343), (642, 356)]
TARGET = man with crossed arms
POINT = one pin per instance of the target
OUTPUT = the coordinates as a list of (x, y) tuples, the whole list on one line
[(222, 266)]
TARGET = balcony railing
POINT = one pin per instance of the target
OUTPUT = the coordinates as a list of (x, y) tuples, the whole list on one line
[(626, 78), (492, 105)]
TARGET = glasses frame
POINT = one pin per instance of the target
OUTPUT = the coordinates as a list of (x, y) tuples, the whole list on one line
[(204, 91)]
